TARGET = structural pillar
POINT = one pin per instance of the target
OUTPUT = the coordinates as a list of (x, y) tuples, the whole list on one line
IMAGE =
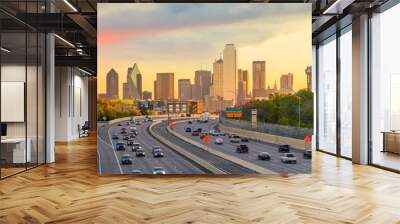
[(360, 89)]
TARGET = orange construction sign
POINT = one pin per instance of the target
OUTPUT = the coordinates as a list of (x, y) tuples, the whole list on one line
[(205, 138), (171, 125), (307, 139)]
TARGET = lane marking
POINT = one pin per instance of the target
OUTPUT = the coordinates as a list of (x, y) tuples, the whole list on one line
[(115, 154)]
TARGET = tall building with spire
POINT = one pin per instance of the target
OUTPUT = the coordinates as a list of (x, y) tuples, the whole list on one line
[(229, 72), (133, 86), (308, 73), (112, 85)]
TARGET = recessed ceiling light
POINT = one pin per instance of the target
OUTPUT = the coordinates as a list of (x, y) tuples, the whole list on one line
[(5, 50), (70, 5), (64, 40)]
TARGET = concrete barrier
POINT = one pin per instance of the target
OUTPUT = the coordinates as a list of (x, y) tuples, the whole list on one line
[(234, 159), (268, 138), (201, 162)]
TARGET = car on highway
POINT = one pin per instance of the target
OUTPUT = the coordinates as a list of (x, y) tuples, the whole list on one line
[(126, 137), (244, 139), (195, 133), (242, 149), (150, 119), (123, 132), (136, 171), (119, 124), (126, 159), (188, 129), (284, 148), (120, 146), (159, 171), (157, 152), (190, 122), (199, 129), (221, 133), (136, 146), (307, 154), (288, 158), (214, 132), (132, 136), (129, 143), (138, 123), (235, 139), (219, 141), (114, 137), (140, 153), (264, 156), (132, 128)]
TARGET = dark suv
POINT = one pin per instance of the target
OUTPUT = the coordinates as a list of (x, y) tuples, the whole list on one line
[(242, 149)]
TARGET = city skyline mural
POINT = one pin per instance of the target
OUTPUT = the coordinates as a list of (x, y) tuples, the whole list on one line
[(180, 39), (204, 88)]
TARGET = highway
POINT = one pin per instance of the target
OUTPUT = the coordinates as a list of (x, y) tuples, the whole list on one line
[(275, 164), (110, 159), (225, 165)]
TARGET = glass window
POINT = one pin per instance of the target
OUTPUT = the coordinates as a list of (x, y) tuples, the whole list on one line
[(327, 96), (385, 89), (346, 93)]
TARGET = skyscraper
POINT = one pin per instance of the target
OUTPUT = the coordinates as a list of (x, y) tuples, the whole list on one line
[(286, 83), (242, 85), (155, 89), (218, 78), (184, 89), (258, 78), (229, 72), (308, 73), (202, 81), (165, 86), (112, 85), (134, 83)]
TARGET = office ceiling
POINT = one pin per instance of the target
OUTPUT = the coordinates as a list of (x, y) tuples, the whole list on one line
[(75, 21)]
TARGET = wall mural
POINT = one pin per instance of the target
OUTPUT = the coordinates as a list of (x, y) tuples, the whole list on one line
[(204, 88)]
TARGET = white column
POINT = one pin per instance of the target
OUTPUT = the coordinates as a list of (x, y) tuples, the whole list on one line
[(50, 99), (360, 90)]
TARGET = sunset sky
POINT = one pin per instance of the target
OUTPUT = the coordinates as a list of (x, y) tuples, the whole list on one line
[(182, 38)]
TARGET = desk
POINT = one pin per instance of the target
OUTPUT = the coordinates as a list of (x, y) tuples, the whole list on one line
[(14, 150), (391, 141)]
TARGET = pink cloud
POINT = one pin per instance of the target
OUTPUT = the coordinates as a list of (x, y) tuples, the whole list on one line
[(111, 37)]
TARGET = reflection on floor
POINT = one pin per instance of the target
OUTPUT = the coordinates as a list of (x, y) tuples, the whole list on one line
[(387, 159), (70, 191)]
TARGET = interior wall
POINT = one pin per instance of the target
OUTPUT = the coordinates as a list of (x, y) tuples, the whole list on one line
[(71, 102)]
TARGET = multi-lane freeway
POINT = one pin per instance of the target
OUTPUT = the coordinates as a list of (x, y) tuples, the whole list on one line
[(110, 159), (274, 164), (174, 162)]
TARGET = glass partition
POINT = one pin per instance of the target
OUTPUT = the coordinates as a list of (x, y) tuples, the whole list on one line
[(22, 67), (346, 93), (327, 95), (385, 89)]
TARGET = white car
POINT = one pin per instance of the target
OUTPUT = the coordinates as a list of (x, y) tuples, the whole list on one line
[(132, 128), (158, 171), (235, 139), (288, 158), (219, 141), (214, 133)]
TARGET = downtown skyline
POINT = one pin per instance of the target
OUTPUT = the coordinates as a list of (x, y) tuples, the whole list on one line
[(259, 36)]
